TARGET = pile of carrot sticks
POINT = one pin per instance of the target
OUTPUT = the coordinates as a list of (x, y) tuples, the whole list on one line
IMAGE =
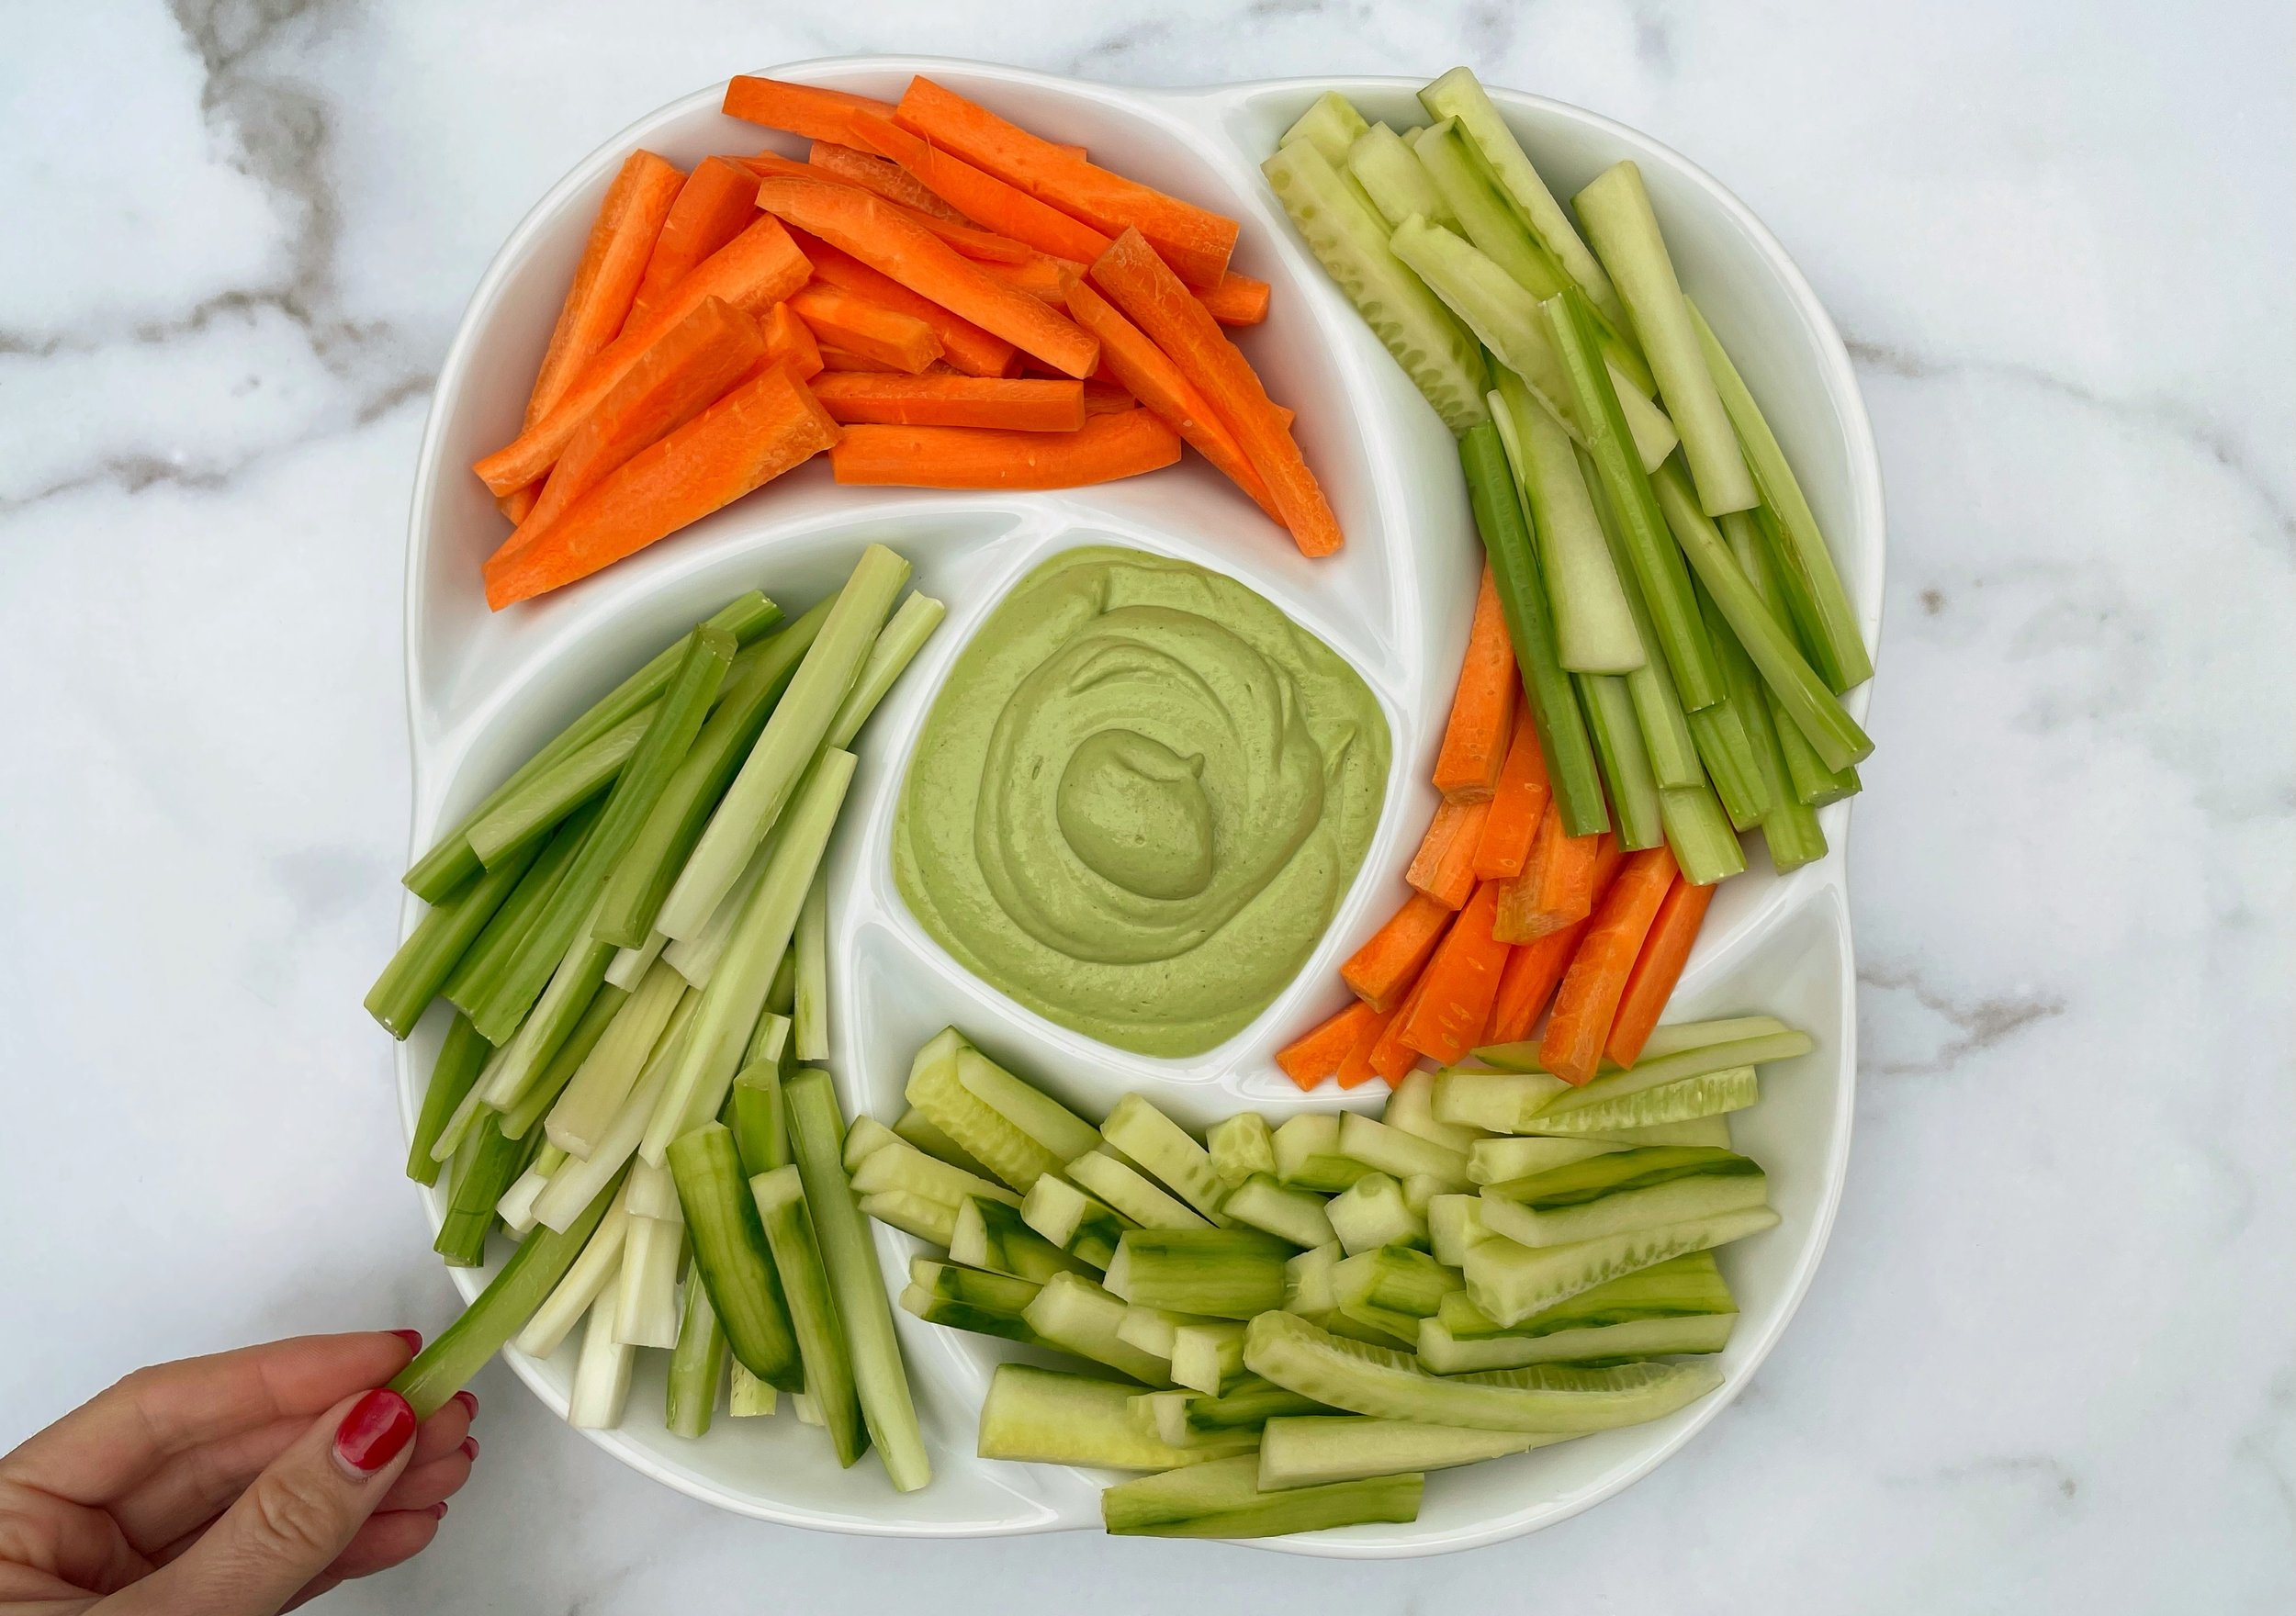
[(1509, 919), (933, 295)]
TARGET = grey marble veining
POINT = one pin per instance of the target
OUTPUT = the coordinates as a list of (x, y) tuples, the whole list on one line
[(2050, 1364)]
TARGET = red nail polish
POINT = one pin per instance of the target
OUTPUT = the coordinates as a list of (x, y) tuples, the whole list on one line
[(414, 1338), (469, 1401), (372, 1434), (438, 1511), (470, 1447)]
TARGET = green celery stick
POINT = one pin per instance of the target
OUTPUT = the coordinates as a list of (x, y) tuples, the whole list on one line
[(530, 812), (730, 1252), (782, 997), (605, 1003), (438, 943), (895, 647), (446, 1366), (1724, 741), (493, 1166), (1666, 737), (1633, 796), (1594, 632), (810, 991), (1392, 176), (781, 1197), (639, 883), (793, 735), (481, 966), (450, 861), (580, 1116), (697, 1365), (459, 1059), (1756, 545), (1790, 828), (849, 1255), (1617, 213), (1706, 847), (1656, 564), (1813, 586), (760, 1121), (1562, 737), (1832, 732)]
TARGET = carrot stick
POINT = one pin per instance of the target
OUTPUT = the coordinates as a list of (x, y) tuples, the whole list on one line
[(690, 369), (613, 263), (802, 110), (852, 322), (1657, 969), (872, 230), (1315, 1054), (954, 400), (1588, 999), (1355, 1067), (1106, 398), (1453, 1004), (1195, 240), (717, 202), (1444, 868), (1105, 448), (837, 361), (1516, 806), (1390, 1056), (1143, 287), (745, 438), (789, 342), (1384, 969), (888, 179), (1149, 372), (981, 245), (1535, 967), (1238, 299), (966, 346), (519, 503), (982, 197), (1482, 711), (755, 270), (1043, 276), (1556, 883)]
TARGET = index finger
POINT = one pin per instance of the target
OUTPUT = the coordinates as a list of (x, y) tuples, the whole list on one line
[(109, 1443)]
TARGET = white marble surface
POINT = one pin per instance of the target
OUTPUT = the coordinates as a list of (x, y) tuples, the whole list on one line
[(2050, 1364)]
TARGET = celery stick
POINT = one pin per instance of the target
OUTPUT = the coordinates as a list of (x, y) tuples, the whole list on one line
[(896, 645), (1832, 732), (1666, 737), (1350, 239), (516, 1209), (1754, 540), (570, 1298), (647, 1313), (604, 1007), (770, 777), (811, 946), (1594, 632), (438, 945), (1657, 566), (492, 1165), (855, 1283), (602, 1369), (1790, 828), (695, 957), (654, 1194), (1562, 737), (1822, 607), (442, 1368), (1330, 124), (595, 1092), (1392, 176), (628, 967), (528, 814), (789, 1233), (1634, 795), (731, 1004), (459, 1059), (481, 966), (729, 1250), (760, 1121), (658, 851), (1724, 741), (1223, 1499), (563, 927), (1706, 847), (572, 1184), (697, 1368), (572, 988), (450, 860)]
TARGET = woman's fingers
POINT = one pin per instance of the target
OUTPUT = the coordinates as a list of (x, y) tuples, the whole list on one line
[(424, 1485), (387, 1538), (443, 1432)]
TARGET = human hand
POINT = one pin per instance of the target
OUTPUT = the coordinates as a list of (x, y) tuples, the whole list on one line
[(236, 1485)]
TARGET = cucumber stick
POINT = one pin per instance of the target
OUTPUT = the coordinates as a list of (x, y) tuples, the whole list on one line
[(1223, 1500), (1402, 1155), (1709, 1094), (1331, 125), (926, 1134), (1294, 1215), (1052, 1418), (780, 1196), (1594, 630), (1241, 1146), (1372, 1213), (1693, 1334), (1306, 1152), (1077, 1316), (697, 1368), (1017, 1131), (1510, 1281), (1411, 1108), (992, 1235), (730, 1252), (1316, 1450), (1165, 1150), (1622, 1192), (1187, 1421), (1072, 1221), (1652, 1071), (1130, 1192), (1214, 1273), (901, 1167), (971, 1317), (1207, 1357), (1497, 1160), (1392, 174)]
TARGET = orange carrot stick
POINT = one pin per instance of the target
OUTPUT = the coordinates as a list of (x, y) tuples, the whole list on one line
[(1444, 868), (1516, 806), (1556, 883), (888, 179), (981, 245), (873, 231), (755, 270), (1315, 1054), (1535, 967), (1355, 1067), (1106, 398), (1105, 448), (1588, 999), (1149, 372), (1143, 287), (1482, 710), (1043, 276), (519, 503), (1657, 969), (802, 110), (966, 346), (984, 199), (1005, 405), (717, 202), (1196, 241), (745, 438), (1384, 969), (1461, 982), (837, 361), (1238, 299), (1390, 1056), (613, 263), (690, 369), (846, 320), (789, 342)]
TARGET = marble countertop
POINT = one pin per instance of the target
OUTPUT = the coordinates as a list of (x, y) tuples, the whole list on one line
[(2050, 1364)]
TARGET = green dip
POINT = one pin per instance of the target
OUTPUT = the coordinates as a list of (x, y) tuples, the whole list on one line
[(1138, 799)]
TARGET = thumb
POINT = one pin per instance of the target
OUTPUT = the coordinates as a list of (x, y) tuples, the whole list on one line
[(292, 1520)]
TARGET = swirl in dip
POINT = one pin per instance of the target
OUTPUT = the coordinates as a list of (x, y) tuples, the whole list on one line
[(1138, 798)]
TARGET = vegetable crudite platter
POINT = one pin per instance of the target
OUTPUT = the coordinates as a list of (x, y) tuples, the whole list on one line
[(1130, 805)]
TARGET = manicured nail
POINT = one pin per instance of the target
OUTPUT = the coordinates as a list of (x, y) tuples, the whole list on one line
[(469, 1401), (470, 1447), (372, 1434), (414, 1338), (438, 1511)]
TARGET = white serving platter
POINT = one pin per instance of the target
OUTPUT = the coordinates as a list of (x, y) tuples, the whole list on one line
[(485, 689)]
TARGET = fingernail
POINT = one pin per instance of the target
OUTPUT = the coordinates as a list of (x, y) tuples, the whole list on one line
[(469, 1401), (438, 1511), (372, 1434), (414, 1338), (470, 1447)]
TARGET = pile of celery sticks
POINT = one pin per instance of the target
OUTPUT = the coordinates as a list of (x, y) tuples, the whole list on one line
[(1683, 635), (632, 933)]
